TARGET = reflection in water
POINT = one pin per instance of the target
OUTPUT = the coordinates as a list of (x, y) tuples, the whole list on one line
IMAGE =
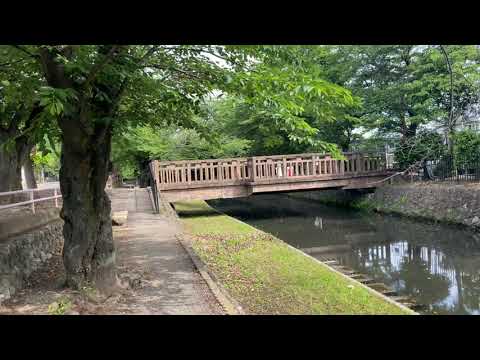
[(438, 265)]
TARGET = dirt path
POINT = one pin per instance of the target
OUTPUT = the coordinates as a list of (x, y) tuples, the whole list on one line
[(148, 255)]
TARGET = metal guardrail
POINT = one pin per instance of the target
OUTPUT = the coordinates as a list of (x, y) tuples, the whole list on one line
[(56, 195), (153, 189), (444, 169)]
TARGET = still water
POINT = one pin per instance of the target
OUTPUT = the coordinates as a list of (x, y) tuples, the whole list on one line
[(438, 265)]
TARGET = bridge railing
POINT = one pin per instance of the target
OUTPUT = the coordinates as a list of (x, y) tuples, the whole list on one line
[(296, 166), (214, 172), (203, 172)]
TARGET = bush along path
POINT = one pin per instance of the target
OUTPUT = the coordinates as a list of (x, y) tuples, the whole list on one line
[(267, 276)]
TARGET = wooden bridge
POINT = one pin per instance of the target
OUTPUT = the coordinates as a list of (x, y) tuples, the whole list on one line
[(240, 177)]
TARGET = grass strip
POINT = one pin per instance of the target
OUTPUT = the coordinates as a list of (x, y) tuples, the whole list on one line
[(265, 275)]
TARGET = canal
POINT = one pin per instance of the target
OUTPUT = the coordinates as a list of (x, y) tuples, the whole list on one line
[(437, 265)]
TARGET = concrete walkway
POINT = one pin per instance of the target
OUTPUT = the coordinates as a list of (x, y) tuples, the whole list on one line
[(147, 247)]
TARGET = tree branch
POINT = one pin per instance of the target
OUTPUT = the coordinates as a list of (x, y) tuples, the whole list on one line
[(148, 54), (14, 121), (191, 75), (30, 124), (98, 66), (35, 56), (13, 62), (202, 50), (447, 59), (123, 85), (54, 71), (52, 145)]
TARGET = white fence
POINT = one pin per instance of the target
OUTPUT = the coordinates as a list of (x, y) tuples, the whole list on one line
[(56, 194)]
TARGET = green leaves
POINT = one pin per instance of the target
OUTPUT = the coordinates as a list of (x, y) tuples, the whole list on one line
[(467, 148), (56, 100), (409, 85)]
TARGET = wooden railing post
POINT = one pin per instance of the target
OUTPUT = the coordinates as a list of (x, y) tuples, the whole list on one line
[(55, 194), (156, 166), (33, 203), (254, 168)]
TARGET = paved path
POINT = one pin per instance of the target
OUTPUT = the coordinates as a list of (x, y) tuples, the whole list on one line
[(147, 246)]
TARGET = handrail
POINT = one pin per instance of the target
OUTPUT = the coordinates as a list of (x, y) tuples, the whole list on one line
[(32, 201), (5, 193), (198, 161)]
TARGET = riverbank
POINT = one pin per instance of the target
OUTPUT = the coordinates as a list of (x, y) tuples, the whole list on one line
[(266, 276), (449, 203)]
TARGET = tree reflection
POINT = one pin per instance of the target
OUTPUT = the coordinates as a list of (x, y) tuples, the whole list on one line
[(471, 290), (418, 281)]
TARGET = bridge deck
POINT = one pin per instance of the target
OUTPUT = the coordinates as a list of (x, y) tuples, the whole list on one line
[(238, 177)]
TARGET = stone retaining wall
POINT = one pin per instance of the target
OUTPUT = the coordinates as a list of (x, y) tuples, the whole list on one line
[(21, 255), (18, 223), (452, 203)]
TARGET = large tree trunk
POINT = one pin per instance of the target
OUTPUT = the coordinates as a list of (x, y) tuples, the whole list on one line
[(29, 172), (13, 157), (89, 253), (11, 160), (10, 171), (117, 180)]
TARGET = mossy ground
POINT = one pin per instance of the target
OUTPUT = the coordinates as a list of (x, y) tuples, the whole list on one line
[(265, 275)]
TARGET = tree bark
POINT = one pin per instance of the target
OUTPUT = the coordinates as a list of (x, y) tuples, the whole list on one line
[(117, 179), (11, 161), (29, 172), (12, 158), (10, 170), (89, 253)]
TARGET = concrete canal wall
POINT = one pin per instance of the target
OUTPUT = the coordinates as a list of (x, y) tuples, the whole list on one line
[(449, 203), (444, 202)]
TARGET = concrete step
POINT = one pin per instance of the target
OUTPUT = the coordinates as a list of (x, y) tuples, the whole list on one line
[(330, 262), (366, 281), (416, 307), (348, 272), (403, 299), (357, 276), (383, 289), (389, 293), (341, 266), (378, 286)]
